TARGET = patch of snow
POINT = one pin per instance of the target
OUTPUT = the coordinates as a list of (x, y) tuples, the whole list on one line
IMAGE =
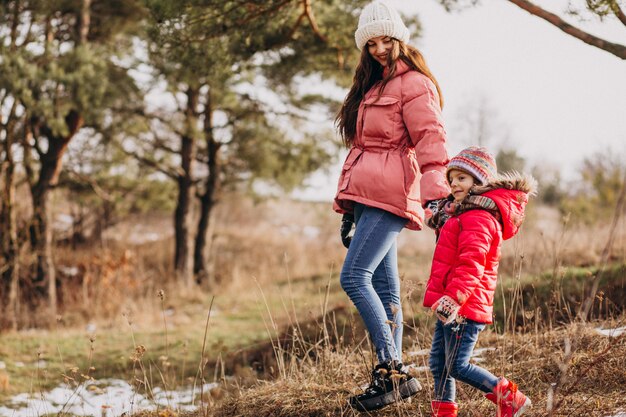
[(63, 222), (480, 351), (476, 354), (71, 271), (611, 332), (114, 399), (139, 238), (421, 352)]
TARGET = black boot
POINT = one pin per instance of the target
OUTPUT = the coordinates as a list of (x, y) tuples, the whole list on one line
[(389, 384)]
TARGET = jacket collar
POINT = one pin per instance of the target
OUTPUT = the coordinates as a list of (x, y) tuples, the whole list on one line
[(401, 68)]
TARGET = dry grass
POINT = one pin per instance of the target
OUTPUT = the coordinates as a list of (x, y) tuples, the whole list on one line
[(265, 242), (273, 241), (271, 245), (588, 371)]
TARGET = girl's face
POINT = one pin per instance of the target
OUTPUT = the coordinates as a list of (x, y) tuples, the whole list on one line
[(460, 184), (380, 48)]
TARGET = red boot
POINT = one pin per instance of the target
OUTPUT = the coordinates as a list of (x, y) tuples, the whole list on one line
[(510, 401), (444, 409)]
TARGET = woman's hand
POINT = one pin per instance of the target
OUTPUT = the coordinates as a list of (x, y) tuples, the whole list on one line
[(347, 225)]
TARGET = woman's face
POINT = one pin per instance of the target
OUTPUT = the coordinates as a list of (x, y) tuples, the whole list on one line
[(380, 48), (460, 184)]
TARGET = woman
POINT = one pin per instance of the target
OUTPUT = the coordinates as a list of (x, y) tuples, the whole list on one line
[(396, 166)]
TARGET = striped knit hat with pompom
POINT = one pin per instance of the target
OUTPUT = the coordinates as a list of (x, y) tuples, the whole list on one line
[(476, 161)]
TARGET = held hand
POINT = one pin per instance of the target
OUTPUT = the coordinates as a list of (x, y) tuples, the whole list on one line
[(446, 309), (431, 210), (435, 213), (347, 225)]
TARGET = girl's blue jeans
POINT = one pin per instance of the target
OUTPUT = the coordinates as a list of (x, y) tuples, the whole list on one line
[(450, 353), (370, 278)]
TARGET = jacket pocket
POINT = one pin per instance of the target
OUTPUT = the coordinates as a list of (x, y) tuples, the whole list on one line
[(379, 118), (346, 171), (411, 176)]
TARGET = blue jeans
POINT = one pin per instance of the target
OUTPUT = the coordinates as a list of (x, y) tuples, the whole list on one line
[(370, 278), (450, 353)]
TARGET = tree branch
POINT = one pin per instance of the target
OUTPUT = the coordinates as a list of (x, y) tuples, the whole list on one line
[(151, 163), (619, 13), (146, 115), (84, 22), (296, 25), (162, 144), (308, 11), (14, 25), (92, 183), (613, 48), (254, 13), (312, 22)]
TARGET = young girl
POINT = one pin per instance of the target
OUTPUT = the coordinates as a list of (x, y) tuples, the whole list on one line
[(396, 165), (481, 211)]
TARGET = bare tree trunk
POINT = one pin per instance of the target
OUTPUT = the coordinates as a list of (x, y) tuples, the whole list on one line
[(44, 281), (8, 229), (84, 22), (185, 188), (207, 199)]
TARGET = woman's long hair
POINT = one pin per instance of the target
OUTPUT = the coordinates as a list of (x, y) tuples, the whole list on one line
[(368, 73)]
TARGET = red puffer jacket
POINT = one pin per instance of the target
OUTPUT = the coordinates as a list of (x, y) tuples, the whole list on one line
[(399, 157), (465, 263)]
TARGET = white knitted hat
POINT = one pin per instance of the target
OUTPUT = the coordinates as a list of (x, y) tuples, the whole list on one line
[(380, 19)]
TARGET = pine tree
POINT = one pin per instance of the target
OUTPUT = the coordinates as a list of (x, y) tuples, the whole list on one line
[(62, 72), (214, 55)]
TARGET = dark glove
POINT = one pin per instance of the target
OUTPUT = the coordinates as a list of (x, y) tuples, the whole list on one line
[(347, 225)]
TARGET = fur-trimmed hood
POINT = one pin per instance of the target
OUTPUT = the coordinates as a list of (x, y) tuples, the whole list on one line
[(510, 192), (510, 181)]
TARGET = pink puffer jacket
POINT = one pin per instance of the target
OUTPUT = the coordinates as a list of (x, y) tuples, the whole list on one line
[(398, 160), (465, 262)]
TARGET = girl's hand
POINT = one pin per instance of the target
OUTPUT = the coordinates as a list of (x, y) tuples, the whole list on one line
[(436, 213), (446, 309), (430, 211)]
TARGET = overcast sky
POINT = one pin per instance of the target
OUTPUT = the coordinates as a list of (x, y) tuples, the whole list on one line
[(551, 97)]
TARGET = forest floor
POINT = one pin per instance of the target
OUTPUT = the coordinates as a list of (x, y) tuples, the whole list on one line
[(277, 336), (297, 349)]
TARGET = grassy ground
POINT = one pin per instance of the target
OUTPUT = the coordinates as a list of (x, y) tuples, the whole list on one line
[(38, 360), (238, 330), (316, 370), (270, 276), (570, 371)]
